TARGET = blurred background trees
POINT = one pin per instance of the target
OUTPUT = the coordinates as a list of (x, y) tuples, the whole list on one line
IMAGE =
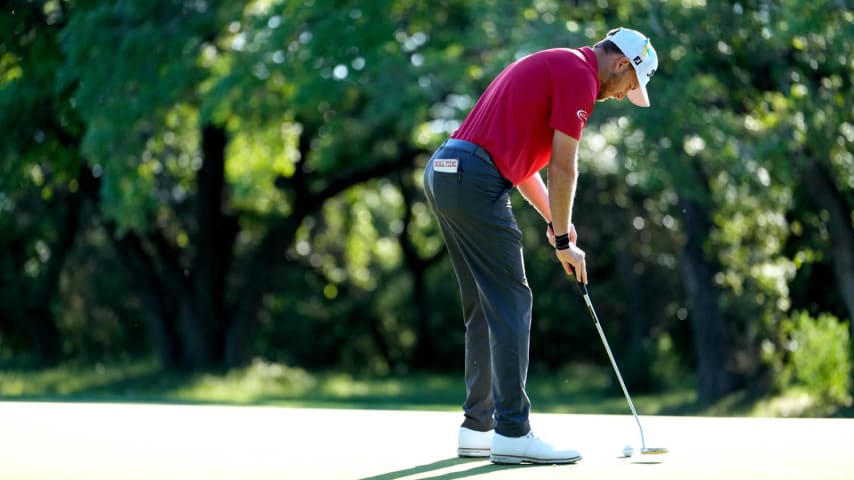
[(212, 182)]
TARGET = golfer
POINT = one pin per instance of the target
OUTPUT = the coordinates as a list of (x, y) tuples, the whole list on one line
[(531, 116)]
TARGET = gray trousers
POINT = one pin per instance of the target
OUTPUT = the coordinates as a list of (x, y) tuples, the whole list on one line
[(472, 206)]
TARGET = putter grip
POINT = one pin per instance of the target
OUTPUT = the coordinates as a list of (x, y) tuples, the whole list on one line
[(581, 287)]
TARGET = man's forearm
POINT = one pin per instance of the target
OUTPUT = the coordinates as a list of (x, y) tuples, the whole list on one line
[(563, 177), (534, 190), (562, 181)]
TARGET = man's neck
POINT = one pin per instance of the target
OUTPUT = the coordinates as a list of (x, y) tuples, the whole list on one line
[(603, 62)]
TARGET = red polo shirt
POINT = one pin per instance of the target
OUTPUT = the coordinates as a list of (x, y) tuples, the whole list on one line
[(515, 118)]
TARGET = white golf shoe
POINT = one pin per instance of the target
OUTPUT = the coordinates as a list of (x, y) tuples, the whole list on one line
[(529, 449), (471, 443)]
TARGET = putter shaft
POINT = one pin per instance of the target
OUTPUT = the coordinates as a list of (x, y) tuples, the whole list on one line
[(644, 450), (613, 362)]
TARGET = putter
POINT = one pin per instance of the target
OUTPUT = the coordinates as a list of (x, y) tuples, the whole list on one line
[(644, 449)]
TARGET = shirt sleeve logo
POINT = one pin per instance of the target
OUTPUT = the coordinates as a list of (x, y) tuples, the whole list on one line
[(582, 115)]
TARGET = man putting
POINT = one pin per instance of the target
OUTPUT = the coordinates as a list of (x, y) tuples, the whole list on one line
[(531, 116)]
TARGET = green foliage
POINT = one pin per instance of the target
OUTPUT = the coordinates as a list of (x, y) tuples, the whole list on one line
[(128, 64), (312, 93), (821, 357)]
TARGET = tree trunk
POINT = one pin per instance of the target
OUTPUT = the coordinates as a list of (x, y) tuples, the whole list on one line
[(204, 314), (636, 370), (424, 352), (256, 283), (710, 334), (44, 334), (160, 304), (161, 310), (255, 277), (39, 317), (828, 197)]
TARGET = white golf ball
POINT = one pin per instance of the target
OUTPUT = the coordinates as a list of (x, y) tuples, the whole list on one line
[(628, 451)]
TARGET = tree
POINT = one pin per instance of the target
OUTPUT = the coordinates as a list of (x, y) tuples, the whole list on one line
[(41, 201), (160, 89)]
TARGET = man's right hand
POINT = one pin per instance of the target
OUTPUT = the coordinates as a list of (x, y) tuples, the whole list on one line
[(573, 258)]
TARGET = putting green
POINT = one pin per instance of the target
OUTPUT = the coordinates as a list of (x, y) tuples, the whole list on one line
[(128, 441)]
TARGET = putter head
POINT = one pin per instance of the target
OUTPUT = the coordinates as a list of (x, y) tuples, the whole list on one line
[(653, 451)]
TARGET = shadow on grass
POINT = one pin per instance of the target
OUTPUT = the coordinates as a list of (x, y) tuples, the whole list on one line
[(478, 467), (430, 467)]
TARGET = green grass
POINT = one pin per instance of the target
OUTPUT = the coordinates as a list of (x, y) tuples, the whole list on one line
[(573, 389), (577, 389)]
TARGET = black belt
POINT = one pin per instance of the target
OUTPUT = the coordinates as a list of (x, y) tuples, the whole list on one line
[(469, 147)]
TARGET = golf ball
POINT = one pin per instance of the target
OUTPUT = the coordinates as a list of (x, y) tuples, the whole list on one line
[(628, 451)]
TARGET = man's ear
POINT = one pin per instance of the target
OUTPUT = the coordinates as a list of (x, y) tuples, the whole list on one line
[(622, 64)]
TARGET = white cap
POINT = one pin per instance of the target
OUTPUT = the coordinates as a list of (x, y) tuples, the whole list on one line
[(638, 48)]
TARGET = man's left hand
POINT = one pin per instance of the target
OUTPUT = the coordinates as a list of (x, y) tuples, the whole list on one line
[(573, 236)]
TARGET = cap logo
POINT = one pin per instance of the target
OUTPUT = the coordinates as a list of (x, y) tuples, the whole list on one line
[(645, 51), (650, 73), (637, 60)]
